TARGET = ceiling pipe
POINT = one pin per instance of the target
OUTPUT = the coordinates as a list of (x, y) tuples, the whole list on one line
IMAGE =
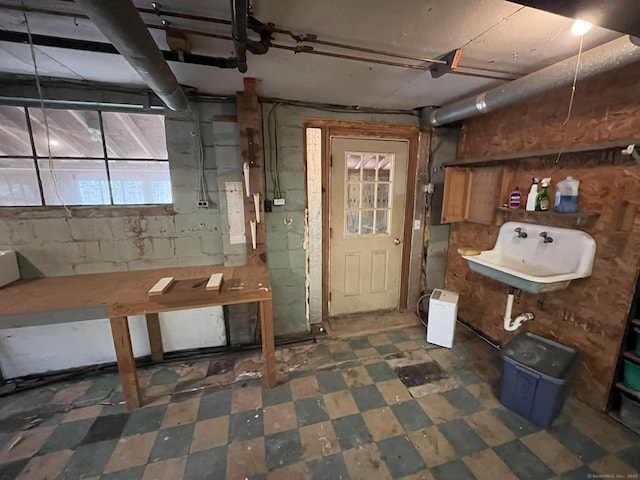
[(615, 54), (121, 23), (239, 23)]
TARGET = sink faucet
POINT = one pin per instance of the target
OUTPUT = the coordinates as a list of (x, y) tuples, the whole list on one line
[(520, 232), (546, 237)]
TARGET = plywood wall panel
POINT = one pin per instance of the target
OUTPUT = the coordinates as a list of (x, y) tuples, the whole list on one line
[(605, 109), (591, 313)]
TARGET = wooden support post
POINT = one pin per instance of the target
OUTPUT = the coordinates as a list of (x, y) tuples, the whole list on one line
[(155, 337), (126, 361), (251, 148), (268, 343)]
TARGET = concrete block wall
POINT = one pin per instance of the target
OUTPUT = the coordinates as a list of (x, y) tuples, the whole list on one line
[(286, 224)]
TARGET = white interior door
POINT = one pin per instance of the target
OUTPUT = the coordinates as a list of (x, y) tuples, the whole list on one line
[(368, 187)]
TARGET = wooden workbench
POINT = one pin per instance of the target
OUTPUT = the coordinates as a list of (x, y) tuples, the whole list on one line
[(120, 294)]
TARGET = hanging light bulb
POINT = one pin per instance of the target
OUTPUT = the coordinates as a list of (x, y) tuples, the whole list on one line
[(580, 27)]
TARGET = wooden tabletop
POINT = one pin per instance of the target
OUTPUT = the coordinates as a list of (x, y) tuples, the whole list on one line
[(125, 293)]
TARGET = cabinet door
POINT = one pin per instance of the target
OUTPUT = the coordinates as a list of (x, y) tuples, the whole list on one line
[(456, 192)]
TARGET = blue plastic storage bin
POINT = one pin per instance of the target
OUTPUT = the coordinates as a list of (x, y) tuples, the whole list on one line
[(536, 376)]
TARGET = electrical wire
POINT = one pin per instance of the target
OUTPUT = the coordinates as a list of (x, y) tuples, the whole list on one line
[(573, 94), (272, 131), (201, 195), (54, 178)]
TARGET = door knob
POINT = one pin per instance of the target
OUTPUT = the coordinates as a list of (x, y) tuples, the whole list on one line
[(396, 241)]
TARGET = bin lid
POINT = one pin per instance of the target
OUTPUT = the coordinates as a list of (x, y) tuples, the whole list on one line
[(540, 354)]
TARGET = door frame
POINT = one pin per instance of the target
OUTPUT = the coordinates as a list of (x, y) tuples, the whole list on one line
[(375, 131)]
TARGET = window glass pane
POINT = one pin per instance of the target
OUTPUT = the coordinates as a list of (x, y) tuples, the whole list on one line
[(140, 182), (353, 221), (382, 200), (18, 182), (384, 168), (353, 166), (369, 168), (382, 221), (134, 135), (367, 222), (72, 133), (74, 182), (353, 195), (368, 193), (14, 135)]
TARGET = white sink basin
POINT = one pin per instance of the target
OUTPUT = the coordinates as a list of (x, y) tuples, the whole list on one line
[(532, 265)]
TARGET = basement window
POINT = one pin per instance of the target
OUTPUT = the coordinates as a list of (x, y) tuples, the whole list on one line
[(88, 158)]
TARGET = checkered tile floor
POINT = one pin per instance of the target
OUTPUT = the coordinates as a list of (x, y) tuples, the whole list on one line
[(340, 412)]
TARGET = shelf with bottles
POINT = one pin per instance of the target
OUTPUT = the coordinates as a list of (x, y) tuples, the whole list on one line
[(580, 220)]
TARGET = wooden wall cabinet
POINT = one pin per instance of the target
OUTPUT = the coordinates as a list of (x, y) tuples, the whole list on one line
[(472, 194)]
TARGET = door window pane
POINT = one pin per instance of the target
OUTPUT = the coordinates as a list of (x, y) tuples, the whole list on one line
[(72, 133), (14, 135), (134, 135), (18, 182), (368, 193), (140, 182), (74, 182)]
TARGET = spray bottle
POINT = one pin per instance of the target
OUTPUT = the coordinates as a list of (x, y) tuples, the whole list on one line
[(542, 199), (533, 193)]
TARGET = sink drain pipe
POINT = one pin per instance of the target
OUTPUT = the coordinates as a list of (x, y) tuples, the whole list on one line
[(513, 324)]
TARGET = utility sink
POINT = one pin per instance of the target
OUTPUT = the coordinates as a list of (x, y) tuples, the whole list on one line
[(536, 258)]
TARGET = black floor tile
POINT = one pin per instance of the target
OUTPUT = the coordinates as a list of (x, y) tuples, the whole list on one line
[(420, 374), (453, 470), (351, 431), (359, 343), (283, 448), (144, 420), (466, 376), (106, 428), (461, 399), (310, 410), (331, 381), (387, 349), (134, 473), (9, 471), (206, 464), (172, 443), (401, 457), (381, 371), (411, 415), (164, 376), (522, 461), (368, 397), (215, 404), (276, 395), (222, 365), (89, 460), (518, 425), (462, 437), (631, 456), (328, 468), (580, 474), (578, 443), (246, 425), (398, 336), (67, 435)]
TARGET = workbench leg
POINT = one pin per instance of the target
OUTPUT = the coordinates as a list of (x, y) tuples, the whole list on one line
[(126, 361), (155, 337), (268, 343)]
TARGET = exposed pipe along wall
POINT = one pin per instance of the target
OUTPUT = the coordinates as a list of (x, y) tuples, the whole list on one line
[(121, 23), (615, 54)]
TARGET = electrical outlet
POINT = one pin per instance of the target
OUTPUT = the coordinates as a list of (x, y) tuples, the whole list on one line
[(267, 205), (429, 188), (278, 202), (203, 204)]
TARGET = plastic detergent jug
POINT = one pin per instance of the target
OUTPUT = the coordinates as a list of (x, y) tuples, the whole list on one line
[(566, 200)]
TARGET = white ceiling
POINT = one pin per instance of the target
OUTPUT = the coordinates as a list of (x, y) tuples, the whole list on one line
[(493, 34)]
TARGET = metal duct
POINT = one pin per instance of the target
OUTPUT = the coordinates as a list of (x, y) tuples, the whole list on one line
[(615, 54), (239, 21), (120, 22)]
